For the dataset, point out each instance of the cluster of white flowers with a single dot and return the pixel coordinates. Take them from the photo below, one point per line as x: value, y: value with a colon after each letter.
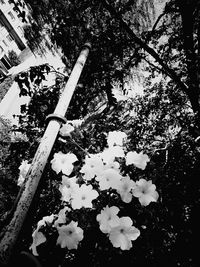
x: 119, y: 230
x: 103, y: 170
x: 68, y: 235
x: 77, y: 196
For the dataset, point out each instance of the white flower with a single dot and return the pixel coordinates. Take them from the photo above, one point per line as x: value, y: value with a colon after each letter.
x: 47, y: 219
x: 61, y: 216
x: 145, y: 191
x: 68, y: 187
x: 125, y: 188
x: 109, y: 178
x: 38, y: 238
x: 76, y: 123
x: 66, y: 193
x: 63, y: 162
x: 93, y: 166
x: 66, y: 180
x: 122, y: 235
x: 116, y: 138
x: 138, y: 159
x: 112, y: 165
x: 20, y: 180
x: 24, y: 167
x: 66, y: 129
x: 83, y: 197
x: 109, y: 154
x: 69, y: 235
x: 108, y: 218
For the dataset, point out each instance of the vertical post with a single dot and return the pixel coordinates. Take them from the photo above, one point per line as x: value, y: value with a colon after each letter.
x: 36, y: 169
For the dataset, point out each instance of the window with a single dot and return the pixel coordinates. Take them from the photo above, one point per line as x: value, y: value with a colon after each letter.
x: 9, y: 38
x: 20, y: 29
x: 11, y: 15
x: 5, y: 62
x: 5, y: 43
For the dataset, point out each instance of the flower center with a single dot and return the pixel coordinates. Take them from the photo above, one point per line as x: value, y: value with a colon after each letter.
x: 83, y: 197
x: 70, y: 232
x: 125, y: 187
x: 143, y: 191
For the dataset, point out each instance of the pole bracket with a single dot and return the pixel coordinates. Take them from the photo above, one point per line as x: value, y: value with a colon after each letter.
x: 57, y: 117
x: 86, y: 45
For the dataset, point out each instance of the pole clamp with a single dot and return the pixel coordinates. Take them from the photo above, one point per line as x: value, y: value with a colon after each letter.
x: 86, y: 45
x: 57, y: 117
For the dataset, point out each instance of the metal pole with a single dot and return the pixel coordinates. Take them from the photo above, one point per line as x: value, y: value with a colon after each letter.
x: 35, y: 172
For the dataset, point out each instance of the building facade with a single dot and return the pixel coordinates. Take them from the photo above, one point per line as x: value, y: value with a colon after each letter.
x: 11, y: 31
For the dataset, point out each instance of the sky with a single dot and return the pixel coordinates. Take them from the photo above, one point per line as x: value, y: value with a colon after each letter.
x: 134, y: 86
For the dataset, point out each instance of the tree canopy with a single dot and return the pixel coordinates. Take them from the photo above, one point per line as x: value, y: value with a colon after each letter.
x: 125, y: 33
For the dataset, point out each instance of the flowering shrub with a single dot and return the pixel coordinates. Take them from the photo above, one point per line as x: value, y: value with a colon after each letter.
x: 85, y: 187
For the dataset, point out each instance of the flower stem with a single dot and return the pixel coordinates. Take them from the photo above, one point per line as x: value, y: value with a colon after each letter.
x: 74, y: 142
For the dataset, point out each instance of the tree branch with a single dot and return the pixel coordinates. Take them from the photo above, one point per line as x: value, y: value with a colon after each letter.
x: 170, y: 72
x: 155, y: 25
x: 147, y: 39
x: 154, y: 66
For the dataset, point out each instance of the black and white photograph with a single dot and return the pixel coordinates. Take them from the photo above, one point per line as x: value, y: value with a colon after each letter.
x: 99, y: 133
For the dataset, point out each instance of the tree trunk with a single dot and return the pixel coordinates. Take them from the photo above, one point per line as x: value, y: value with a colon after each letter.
x: 186, y: 9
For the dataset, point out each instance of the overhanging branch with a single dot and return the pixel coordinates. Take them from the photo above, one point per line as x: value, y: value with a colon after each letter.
x: 170, y: 72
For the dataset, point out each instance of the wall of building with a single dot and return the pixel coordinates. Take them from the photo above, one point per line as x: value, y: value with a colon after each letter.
x: 11, y: 31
